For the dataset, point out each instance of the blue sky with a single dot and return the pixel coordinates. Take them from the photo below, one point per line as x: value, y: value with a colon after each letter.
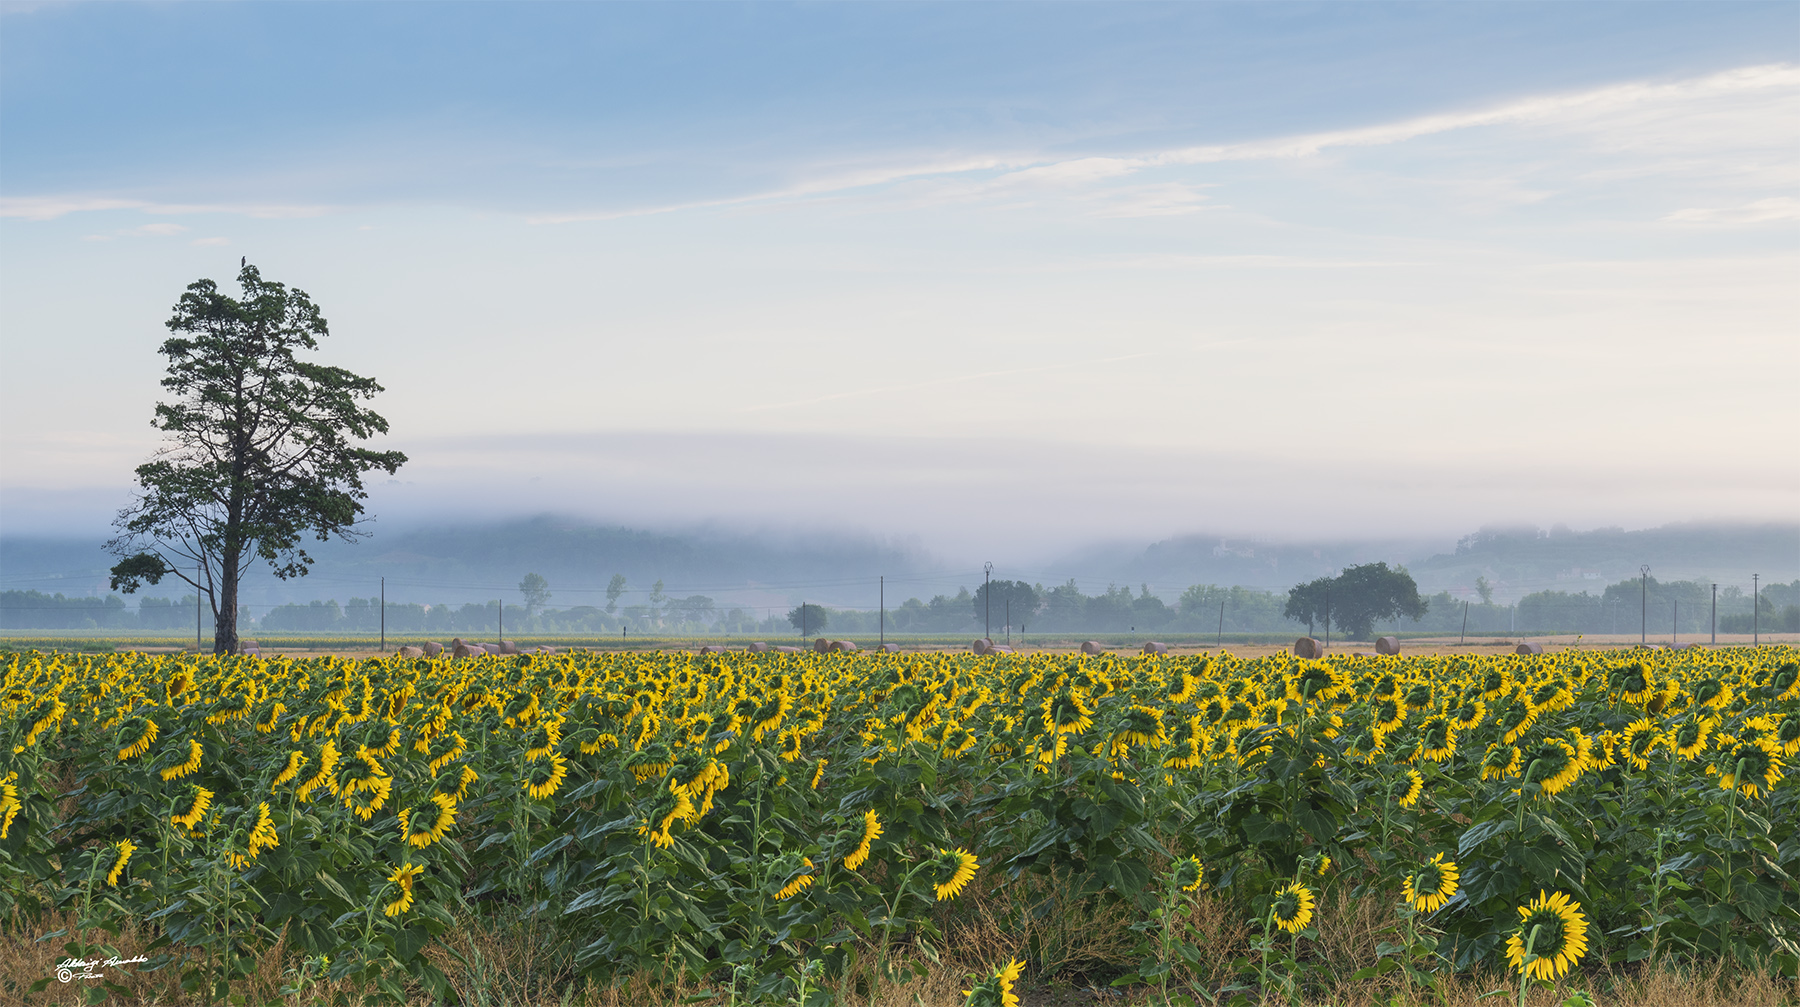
x: 1175, y: 267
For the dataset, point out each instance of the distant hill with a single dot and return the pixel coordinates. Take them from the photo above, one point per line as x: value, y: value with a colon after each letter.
x: 478, y: 562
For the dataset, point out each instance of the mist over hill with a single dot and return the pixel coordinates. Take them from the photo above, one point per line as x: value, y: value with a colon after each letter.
x: 766, y: 572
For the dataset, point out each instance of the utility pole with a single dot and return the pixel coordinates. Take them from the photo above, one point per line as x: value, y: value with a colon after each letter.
x: 1675, y: 624
x: 197, y: 568
x: 502, y: 610
x: 1756, y: 610
x: 1009, y: 622
x: 1644, y: 603
x: 884, y: 610
x: 1715, y: 616
x: 1464, y: 635
x: 803, y: 622
x: 384, y: 615
x: 1328, y: 616
x: 1219, y: 643
x: 987, y: 601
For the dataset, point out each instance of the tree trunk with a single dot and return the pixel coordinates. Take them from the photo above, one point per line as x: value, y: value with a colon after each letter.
x: 225, y: 615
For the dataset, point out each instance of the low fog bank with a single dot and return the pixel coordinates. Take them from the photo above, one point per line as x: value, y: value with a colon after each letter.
x: 1019, y: 503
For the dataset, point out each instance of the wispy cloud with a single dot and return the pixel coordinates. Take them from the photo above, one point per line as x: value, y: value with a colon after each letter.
x: 52, y: 207
x: 1761, y: 211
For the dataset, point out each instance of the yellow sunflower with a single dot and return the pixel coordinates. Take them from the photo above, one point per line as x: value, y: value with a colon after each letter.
x: 798, y: 876
x: 1188, y: 874
x: 1415, y: 787
x: 125, y: 846
x: 403, y: 877
x: 199, y: 800
x: 997, y: 989
x: 871, y: 832
x: 1560, y: 937
x: 429, y: 822
x: 192, y: 765
x: 1292, y: 908
x: 954, y: 869
x: 137, y: 734
x: 545, y: 776
x: 1432, y: 885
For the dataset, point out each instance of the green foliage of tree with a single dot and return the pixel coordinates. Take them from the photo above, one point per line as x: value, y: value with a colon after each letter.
x: 536, y: 591
x: 808, y: 618
x: 1356, y: 598
x: 262, y: 448
x: 995, y: 599
x: 614, y: 589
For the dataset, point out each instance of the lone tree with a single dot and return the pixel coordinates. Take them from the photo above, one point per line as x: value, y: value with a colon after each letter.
x: 536, y: 591
x: 261, y: 449
x: 1357, y: 597
x: 807, y: 618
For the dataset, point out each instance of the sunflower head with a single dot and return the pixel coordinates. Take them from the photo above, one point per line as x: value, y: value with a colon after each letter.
x: 951, y: 870
x: 1187, y: 874
x: 1431, y: 885
x: 1751, y: 768
x: 1292, y: 907
x: 1552, y: 936
x: 997, y: 989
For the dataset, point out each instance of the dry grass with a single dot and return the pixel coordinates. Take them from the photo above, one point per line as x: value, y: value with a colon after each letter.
x: 1079, y: 943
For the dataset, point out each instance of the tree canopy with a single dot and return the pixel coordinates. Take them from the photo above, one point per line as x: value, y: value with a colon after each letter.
x: 1356, y: 598
x: 808, y: 618
x: 1022, y: 597
x: 261, y: 448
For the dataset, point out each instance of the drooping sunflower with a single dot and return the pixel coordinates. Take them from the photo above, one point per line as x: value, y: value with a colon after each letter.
x: 199, y: 800
x: 135, y: 736
x: 819, y: 771
x: 1470, y: 714
x: 1188, y: 874
x: 997, y: 989
x: 1142, y: 726
x: 1785, y: 682
x: 190, y: 765
x: 10, y: 805
x: 369, y: 796
x: 672, y: 805
x: 445, y: 749
x: 1561, y: 937
x: 429, y: 822
x: 1712, y: 693
x: 296, y: 761
x: 1500, y: 762
x: 1553, y: 765
x: 1292, y: 908
x: 1389, y: 714
x: 1415, y: 787
x: 1636, y: 682
x: 1067, y: 712
x: 456, y: 784
x: 1515, y: 718
x: 1787, y: 734
x: 1437, y: 738
x: 1321, y: 681
x: 954, y: 868
x: 545, y: 776
x: 403, y: 877
x: 1691, y: 737
x: 1751, y: 768
x: 1637, y: 743
x: 124, y: 846
x: 325, y: 776
x: 1552, y: 696
x: 1432, y: 885
x: 265, y: 724
x: 871, y: 832
x: 261, y: 836
x: 796, y: 872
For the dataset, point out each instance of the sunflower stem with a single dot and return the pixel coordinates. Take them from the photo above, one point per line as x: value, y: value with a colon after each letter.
x: 1525, y: 965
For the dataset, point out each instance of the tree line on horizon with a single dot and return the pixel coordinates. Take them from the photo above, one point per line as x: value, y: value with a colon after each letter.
x: 1620, y: 608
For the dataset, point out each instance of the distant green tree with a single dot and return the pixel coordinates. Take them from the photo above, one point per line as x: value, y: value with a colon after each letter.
x: 536, y: 591
x: 262, y: 448
x: 808, y: 618
x: 1022, y: 597
x: 1485, y: 589
x: 614, y: 589
x: 1356, y: 598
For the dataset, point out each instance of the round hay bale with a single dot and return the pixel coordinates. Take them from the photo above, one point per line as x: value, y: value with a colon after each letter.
x: 759, y: 648
x: 843, y: 645
x: 1092, y: 647
x: 432, y: 648
x: 999, y: 649
x: 460, y: 650
x: 544, y: 650
x: 506, y: 647
x: 890, y: 648
x: 1309, y: 648
x: 412, y: 651
x: 1529, y: 648
x: 1387, y: 645
x: 789, y: 650
x: 1156, y: 648
x: 980, y: 646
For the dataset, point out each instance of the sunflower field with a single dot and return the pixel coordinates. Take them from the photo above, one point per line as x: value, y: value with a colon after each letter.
x: 769, y: 824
